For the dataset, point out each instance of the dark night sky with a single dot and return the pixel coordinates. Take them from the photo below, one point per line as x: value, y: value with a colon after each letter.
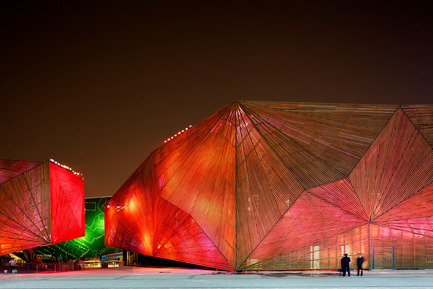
x: 98, y: 85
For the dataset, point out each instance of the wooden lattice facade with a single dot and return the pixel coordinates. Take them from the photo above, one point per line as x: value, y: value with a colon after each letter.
x: 274, y: 185
x: 40, y: 204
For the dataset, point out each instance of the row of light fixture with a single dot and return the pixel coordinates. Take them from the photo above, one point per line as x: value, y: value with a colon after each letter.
x: 177, y: 134
x: 67, y: 168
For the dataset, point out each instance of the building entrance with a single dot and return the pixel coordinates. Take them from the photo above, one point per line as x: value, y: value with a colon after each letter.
x: 382, y: 257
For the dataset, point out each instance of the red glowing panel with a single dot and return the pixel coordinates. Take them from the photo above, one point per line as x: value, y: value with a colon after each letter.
x: 138, y: 219
x: 213, y: 206
x: 125, y: 227
x: 40, y: 206
x: 25, y: 211
x: 67, y: 204
x: 188, y: 241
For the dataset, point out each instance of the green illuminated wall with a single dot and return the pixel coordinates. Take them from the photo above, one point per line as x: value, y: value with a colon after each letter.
x: 92, y: 244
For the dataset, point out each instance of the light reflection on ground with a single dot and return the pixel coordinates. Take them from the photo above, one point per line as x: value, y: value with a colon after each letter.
x: 168, y: 278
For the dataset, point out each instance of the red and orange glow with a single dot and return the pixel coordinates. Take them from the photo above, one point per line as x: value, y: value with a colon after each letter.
x: 41, y: 204
x: 271, y: 185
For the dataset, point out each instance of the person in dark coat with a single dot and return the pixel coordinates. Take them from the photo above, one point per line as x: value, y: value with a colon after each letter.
x: 359, y: 261
x: 345, y: 265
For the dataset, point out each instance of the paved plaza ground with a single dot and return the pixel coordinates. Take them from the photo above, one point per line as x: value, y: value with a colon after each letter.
x: 165, y: 278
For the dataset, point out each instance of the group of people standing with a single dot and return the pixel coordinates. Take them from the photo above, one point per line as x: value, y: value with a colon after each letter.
x: 345, y: 267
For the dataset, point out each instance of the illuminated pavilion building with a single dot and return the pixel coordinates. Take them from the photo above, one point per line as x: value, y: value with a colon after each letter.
x: 40, y: 204
x: 275, y: 185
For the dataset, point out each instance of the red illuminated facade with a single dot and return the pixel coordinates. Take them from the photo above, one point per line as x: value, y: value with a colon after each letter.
x: 273, y: 185
x: 40, y: 204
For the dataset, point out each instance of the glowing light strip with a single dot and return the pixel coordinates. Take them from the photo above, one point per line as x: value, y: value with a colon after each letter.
x: 66, y: 167
x: 177, y: 134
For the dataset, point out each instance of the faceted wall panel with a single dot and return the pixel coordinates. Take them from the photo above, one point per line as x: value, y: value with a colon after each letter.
x: 274, y: 185
x: 264, y: 187
x: 12, y: 168
x: 41, y: 205
x: 309, y: 220
x: 67, y: 204
x: 25, y: 220
x: 327, y: 139
x: 210, y: 202
x: 422, y: 118
x: 397, y: 165
x: 138, y: 219
x: 414, y: 215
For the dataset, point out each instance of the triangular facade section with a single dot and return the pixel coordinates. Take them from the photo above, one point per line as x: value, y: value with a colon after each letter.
x: 265, y: 186
x: 414, y: 215
x: 67, y: 204
x: 398, y: 164
x: 25, y: 210
x: 326, y: 140
x: 12, y: 168
x: 187, y: 239
x: 342, y: 195
x: 201, y: 177
x: 139, y: 220
x: 40, y: 204
x: 422, y: 117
